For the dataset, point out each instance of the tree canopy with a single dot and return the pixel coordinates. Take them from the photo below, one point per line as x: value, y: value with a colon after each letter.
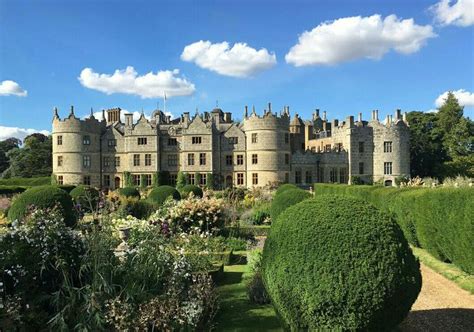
x: 442, y: 143
x: 34, y: 158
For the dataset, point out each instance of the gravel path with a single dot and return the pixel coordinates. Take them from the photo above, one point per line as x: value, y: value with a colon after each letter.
x: 441, y: 306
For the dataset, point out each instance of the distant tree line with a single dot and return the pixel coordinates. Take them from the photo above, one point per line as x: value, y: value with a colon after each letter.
x: 33, y: 158
x: 442, y: 142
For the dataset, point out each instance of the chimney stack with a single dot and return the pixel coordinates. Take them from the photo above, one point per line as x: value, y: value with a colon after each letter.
x: 350, y: 121
x: 398, y: 114
x: 270, y: 107
x: 405, y: 117
x: 324, y: 116
x: 129, y: 119
x: 246, y: 113
x: 359, y: 117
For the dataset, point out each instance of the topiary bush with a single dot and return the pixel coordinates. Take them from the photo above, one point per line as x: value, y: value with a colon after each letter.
x: 129, y: 192
x: 286, y: 199
x: 135, y: 207
x: 43, y: 197
x: 285, y: 187
x: 190, y: 188
x: 87, y: 197
x: 339, y: 263
x: 161, y: 193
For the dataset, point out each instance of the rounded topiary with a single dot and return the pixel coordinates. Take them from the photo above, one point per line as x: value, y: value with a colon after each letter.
x: 43, y: 197
x: 190, y: 188
x: 161, y: 193
x: 87, y: 197
x: 285, y: 187
x: 286, y: 199
x: 129, y: 192
x: 338, y: 263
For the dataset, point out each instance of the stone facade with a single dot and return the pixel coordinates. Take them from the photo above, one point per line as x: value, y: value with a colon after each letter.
x: 259, y: 151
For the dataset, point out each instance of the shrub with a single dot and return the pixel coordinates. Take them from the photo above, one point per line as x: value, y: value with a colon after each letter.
x: 87, y: 197
x: 43, y: 197
x: 33, y: 257
x: 256, y: 291
x: 261, y: 214
x: 210, y: 183
x: 161, y: 193
x: 135, y: 207
x: 286, y: 199
x: 285, y: 187
x: 190, y: 188
x: 67, y: 187
x: 129, y: 192
x: 11, y: 190
x: 338, y: 263
x: 27, y: 182
x: 436, y: 219
x: 181, y: 180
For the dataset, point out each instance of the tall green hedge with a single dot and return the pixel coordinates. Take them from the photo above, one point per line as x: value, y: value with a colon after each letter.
x: 285, y: 187
x: 337, y: 263
x: 28, y: 182
x: 11, y: 190
x: 286, y: 199
x: 190, y: 188
x: 129, y: 192
x: 43, y: 197
x: 440, y: 220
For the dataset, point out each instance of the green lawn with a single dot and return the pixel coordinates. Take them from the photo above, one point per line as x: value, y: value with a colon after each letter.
x: 236, y: 313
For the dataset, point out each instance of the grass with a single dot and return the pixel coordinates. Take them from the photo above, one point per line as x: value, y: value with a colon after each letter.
x: 236, y: 312
x: 449, y: 271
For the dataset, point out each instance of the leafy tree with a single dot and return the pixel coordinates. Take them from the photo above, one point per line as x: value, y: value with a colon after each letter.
x: 33, y: 159
x: 5, y: 146
x: 449, y: 114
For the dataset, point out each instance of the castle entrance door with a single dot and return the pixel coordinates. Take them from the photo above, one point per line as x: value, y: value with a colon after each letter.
x: 228, y: 181
x: 117, y: 182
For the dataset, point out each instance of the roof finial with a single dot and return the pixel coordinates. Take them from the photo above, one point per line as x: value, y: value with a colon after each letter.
x: 103, y: 115
x: 56, y: 112
x: 217, y: 103
x: 246, y: 113
x: 72, y: 110
x: 92, y: 113
x: 253, y: 110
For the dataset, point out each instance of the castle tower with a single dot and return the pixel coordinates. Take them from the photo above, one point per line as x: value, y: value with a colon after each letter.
x: 268, y: 148
x: 76, y: 150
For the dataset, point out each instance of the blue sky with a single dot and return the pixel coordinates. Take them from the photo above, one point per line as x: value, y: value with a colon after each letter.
x: 45, y: 45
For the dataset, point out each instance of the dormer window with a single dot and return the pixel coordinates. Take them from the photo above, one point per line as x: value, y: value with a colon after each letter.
x: 233, y: 140
x: 196, y: 139
x: 172, y: 141
x: 86, y: 140
x: 142, y: 141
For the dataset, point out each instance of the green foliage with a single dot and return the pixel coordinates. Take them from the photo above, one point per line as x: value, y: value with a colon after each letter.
x: 138, y: 208
x: 356, y: 180
x: 10, y: 190
x: 127, y: 179
x: 338, y: 263
x: 34, y: 158
x: 285, y: 199
x: 190, y: 188
x: 442, y: 143
x: 87, y: 197
x: 43, y: 197
x: 159, y: 194
x: 261, y: 213
x: 26, y: 182
x: 436, y: 219
x: 5, y: 146
x: 67, y: 187
x: 285, y: 187
x: 211, y: 182
x: 181, y: 180
x: 161, y: 178
x: 33, y: 258
x: 198, y: 179
x: 142, y: 181
x: 129, y: 192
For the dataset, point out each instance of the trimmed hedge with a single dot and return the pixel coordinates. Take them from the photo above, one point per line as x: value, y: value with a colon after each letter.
x: 339, y: 263
x: 43, y: 197
x: 87, y: 197
x: 67, y: 187
x: 129, y: 192
x: 286, y: 199
x: 138, y: 208
x: 190, y: 188
x: 11, y: 190
x: 440, y: 220
x: 27, y: 182
x: 161, y: 193
x: 285, y: 187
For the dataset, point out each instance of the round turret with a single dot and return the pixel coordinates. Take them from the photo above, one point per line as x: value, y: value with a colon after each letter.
x: 268, y: 149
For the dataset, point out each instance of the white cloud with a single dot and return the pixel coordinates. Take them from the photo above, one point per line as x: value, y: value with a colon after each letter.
x: 11, y: 88
x: 460, y: 13
x: 128, y: 81
x: 20, y: 133
x: 351, y: 38
x: 465, y: 98
x: 239, y: 61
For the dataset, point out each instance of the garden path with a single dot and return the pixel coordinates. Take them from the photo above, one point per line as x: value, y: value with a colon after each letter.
x: 441, y: 306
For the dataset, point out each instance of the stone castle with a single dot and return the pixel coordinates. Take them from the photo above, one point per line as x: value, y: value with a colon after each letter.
x: 260, y: 150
